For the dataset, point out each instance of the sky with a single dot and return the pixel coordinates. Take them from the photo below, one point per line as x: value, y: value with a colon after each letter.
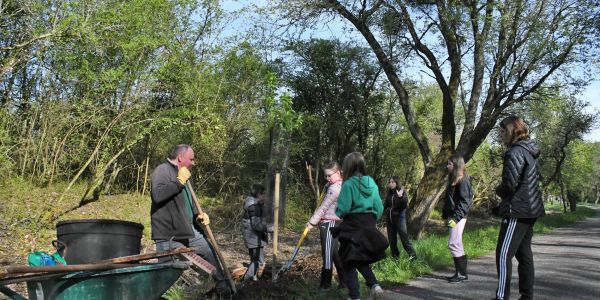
x: 591, y: 94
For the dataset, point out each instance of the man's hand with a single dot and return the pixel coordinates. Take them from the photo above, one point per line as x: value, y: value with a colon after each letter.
x: 451, y: 223
x: 269, y: 228
x: 203, y: 218
x: 399, y: 193
x: 309, y: 226
x: 183, y: 175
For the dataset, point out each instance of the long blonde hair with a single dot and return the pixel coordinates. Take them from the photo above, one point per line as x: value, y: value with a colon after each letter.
x: 459, y: 171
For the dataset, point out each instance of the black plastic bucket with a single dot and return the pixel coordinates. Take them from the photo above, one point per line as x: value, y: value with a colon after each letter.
x: 92, y: 240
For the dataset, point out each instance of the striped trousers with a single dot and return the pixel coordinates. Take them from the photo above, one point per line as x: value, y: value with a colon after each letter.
x: 514, y: 240
x: 329, y: 246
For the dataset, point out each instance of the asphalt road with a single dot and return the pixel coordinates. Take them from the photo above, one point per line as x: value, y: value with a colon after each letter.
x: 567, y: 266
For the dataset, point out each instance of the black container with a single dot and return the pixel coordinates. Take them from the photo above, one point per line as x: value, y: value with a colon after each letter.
x: 89, y: 241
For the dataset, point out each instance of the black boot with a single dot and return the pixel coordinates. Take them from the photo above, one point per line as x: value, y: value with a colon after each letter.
x: 325, y: 279
x: 461, y: 264
x: 463, y: 268
x: 456, y: 267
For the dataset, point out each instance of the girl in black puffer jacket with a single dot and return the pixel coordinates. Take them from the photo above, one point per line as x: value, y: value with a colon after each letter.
x: 520, y: 207
x: 459, y: 197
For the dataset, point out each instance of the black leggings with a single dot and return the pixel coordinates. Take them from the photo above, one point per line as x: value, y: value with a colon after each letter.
x: 255, y: 260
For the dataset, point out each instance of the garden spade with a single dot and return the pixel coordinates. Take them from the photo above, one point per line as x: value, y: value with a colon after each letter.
x: 290, y: 261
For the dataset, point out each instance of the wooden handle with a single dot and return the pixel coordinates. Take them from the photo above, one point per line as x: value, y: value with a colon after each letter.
x: 146, y: 256
x: 70, y: 268
x: 212, y: 240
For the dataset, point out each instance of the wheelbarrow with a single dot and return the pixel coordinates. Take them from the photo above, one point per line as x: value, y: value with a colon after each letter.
x: 110, y: 279
x: 147, y: 281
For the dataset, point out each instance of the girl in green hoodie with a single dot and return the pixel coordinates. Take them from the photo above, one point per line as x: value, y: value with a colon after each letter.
x: 361, y: 243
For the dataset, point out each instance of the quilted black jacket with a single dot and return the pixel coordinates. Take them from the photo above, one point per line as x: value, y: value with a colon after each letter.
x: 519, y: 189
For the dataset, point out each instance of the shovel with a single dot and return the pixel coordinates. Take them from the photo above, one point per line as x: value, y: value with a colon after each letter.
x: 290, y: 261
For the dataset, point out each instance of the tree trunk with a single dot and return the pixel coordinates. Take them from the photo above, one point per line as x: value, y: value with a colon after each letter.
x: 563, y: 195
x: 430, y: 189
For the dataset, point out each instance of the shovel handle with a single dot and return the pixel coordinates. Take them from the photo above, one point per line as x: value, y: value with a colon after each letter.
x: 212, y: 240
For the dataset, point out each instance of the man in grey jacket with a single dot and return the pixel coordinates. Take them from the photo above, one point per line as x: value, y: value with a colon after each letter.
x: 173, y: 214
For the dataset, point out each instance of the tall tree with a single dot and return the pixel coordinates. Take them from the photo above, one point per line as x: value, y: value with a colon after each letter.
x: 486, y: 55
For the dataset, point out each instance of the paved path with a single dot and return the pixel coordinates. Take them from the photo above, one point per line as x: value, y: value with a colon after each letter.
x: 567, y: 265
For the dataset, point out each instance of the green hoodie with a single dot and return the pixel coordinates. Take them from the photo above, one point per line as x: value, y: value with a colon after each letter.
x: 359, y: 195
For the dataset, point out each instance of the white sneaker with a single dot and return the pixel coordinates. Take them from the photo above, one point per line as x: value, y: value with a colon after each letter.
x: 376, y: 292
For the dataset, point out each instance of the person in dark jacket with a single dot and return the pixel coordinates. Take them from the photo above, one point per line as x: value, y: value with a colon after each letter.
x: 520, y: 207
x: 174, y: 217
x: 459, y: 197
x: 361, y: 243
x: 395, y: 206
x: 255, y: 230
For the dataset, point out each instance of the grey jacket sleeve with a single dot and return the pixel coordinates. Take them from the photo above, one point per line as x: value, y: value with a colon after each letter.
x: 164, y: 186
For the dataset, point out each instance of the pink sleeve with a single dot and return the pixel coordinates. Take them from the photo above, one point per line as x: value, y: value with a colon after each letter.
x: 330, y: 199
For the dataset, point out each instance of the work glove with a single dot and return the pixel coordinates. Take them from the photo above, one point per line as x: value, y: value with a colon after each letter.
x: 183, y: 175
x: 269, y: 228
x: 204, y: 219
x: 451, y: 223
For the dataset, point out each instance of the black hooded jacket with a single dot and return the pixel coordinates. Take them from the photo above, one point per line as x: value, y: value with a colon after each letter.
x: 458, y: 200
x: 394, y: 205
x: 519, y: 189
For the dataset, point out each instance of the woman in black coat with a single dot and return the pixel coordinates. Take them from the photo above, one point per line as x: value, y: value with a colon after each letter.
x: 459, y: 197
x: 520, y: 207
x: 395, y: 206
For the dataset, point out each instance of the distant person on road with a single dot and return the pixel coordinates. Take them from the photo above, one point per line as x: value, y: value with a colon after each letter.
x: 459, y: 197
x: 395, y: 206
x: 520, y: 207
x: 325, y: 217
x: 361, y: 243
x: 255, y: 230
x: 174, y: 217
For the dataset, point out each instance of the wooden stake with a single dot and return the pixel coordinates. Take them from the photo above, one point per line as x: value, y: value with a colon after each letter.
x: 275, y: 223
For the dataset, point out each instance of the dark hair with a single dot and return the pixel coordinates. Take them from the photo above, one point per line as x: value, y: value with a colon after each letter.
x: 396, y: 179
x: 257, y: 189
x: 353, y: 165
x: 332, y: 165
x: 179, y: 149
x: 516, y: 128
